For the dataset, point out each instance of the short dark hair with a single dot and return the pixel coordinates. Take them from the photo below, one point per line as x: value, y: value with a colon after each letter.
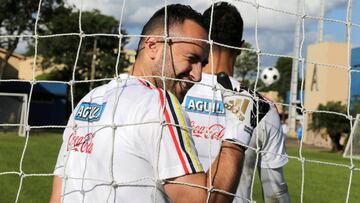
x: 176, y: 14
x: 227, y: 24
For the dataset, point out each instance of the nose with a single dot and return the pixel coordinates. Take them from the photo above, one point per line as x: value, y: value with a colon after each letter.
x: 195, y: 73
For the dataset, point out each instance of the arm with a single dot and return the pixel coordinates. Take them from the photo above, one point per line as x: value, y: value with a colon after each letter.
x: 225, y: 176
x: 274, y: 186
x: 56, y: 190
x: 227, y: 167
x: 59, y: 167
x: 57, y: 180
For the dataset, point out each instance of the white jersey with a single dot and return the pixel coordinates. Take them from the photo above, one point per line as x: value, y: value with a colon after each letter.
x: 121, y: 143
x: 206, y: 111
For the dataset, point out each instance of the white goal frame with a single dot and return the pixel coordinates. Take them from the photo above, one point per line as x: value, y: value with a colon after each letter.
x: 348, y: 150
x: 23, y: 115
x: 302, y: 16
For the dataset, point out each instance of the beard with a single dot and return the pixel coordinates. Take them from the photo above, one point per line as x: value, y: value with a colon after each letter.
x: 178, y: 88
x: 169, y: 72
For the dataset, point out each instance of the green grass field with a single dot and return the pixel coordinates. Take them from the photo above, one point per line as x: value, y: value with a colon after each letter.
x: 323, y: 183
x: 40, y: 157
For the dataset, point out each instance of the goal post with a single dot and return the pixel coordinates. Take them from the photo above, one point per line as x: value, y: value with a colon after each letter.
x: 354, y: 139
x: 13, y: 107
x: 316, y: 63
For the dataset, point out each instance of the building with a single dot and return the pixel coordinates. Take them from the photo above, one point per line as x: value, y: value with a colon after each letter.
x: 48, y: 105
x: 18, y: 67
x: 355, y: 77
x: 327, y: 79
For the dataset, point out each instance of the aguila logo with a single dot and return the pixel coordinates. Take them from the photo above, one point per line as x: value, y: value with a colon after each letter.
x: 82, y: 144
x: 214, y: 131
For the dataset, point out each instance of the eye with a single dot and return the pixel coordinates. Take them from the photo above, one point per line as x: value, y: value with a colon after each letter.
x: 204, y: 62
x: 197, y: 59
x: 193, y: 59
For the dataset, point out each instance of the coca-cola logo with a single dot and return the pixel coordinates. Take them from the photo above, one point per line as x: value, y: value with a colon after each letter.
x: 214, y: 131
x: 81, y: 143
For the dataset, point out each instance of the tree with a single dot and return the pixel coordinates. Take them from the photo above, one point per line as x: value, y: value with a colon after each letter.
x: 245, y: 63
x: 99, y: 52
x: 334, y: 124
x: 18, y: 17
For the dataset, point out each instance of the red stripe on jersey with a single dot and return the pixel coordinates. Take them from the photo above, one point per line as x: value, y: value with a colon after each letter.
x: 144, y: 83
x: 171, y: 129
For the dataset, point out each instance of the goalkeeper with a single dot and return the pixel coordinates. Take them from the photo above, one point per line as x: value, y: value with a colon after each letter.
x: 126, y: 141
x: 206, y: 111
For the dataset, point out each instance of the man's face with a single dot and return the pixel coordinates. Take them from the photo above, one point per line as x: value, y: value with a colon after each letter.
x: 184, y: 58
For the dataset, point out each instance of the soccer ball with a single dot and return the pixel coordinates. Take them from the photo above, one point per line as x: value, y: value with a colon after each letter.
x: 269, y: 76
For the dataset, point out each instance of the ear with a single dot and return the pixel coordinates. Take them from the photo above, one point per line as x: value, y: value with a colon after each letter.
x: 242, y: 45
x: 151, y: 47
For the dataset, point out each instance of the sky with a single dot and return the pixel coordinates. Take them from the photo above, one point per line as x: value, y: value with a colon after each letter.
x: 275, y: 30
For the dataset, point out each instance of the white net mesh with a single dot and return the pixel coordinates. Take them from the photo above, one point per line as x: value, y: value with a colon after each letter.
x: 355, y: 138
x: 302, y: 15
x: 14, y: 113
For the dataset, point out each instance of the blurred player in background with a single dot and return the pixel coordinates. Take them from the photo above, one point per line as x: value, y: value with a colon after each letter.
x: 117, y: 148
x: 206, y: 110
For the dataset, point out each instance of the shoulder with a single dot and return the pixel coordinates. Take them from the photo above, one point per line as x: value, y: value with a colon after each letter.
x: 260, y: 109
x: 272, y: 117
x: 201, y: 90
x: 168, y: 100
x: 148, y: 101
x: 206, y: 83
x: 142, y: 98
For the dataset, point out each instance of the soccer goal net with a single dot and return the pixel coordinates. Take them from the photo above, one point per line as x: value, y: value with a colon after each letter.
x: 77, y: 54
x: 352, y: 148
x: 13, y: 112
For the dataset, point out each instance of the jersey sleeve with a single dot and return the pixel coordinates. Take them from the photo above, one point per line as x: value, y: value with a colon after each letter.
x: 59, y: 167
x: 62, y: 156
x: 273, y: 147
x: 177, y: 153
x: 60, y: 163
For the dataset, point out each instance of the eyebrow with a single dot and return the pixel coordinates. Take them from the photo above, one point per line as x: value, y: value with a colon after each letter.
x: 203, y: 62
x: 171, y: 41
